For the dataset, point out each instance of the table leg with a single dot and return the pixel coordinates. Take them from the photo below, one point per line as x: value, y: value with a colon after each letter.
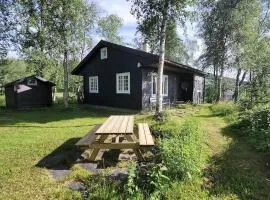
x: 94, y: 153
x: 130, y: 138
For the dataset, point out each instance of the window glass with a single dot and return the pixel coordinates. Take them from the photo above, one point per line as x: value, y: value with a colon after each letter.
x: 103, y: 53
x: 123, y: 83
x: 164, y: 85
x: 93, y: 84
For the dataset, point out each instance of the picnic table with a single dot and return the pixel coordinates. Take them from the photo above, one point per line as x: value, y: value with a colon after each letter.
x: 117, y: 132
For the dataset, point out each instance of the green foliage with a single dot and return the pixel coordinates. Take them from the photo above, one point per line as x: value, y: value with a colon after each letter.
x: 131, y: 189
x: 11, y: 70
x: 99, y: 188
x: 186, y: 190
x: 146, y: 182
x: 228, y: 110
x: 7, y: 26
x: 256, y: 124
x: 182, y: 152
x: 224, y: 108
x: 2, y: 100
x: 109, y: 27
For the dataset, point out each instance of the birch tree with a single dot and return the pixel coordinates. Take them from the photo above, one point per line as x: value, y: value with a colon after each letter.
x: 154, y: 16
x: 108, y: 28
x: 67, y: 29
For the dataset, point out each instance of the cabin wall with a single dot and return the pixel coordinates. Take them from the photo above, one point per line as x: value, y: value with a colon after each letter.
x: 173, y: 87
x: 117, y: 62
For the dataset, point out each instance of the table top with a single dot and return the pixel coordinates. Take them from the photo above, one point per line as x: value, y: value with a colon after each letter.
x: 118, y: 125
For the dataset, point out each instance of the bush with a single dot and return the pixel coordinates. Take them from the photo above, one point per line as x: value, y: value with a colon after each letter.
x: 182, y: 152
x: 146, y: 182
x: 224, y: 108
x: 257, y: 124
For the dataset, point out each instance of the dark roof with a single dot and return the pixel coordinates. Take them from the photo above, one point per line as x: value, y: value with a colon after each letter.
x: 25, y: 78
x: 137, y: 52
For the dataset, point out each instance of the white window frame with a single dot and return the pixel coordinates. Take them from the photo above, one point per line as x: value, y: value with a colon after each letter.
x: 122, y: 91
x: 154, y: 76
x: 32, y: 79
x: 92, y: 79
x: 102, y: 55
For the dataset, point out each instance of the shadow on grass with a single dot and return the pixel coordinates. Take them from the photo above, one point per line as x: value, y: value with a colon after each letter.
x: 239, y: 171
x: 63, y: 157
x: 56, y: 113
x: 66, y: 155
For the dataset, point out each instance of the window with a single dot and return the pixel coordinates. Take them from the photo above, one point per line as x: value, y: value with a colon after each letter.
x: 103, y: 53
x: 31, y: 81
x: 123, y: 83
x: 164, y: 85
x: 93, y: 84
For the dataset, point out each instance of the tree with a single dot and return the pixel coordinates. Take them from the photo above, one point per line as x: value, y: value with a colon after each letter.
x: 216, y: 31
x: 34, y: 39
x: 153, y: 17
x: 7, y: 26
x: 175, y: 49
x: 109, y: 27
x: 67, y: 27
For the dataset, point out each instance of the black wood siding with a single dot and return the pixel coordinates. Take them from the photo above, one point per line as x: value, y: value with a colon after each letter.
x: 26, y: 96
x: 10, y: 97
x: 117, y: 62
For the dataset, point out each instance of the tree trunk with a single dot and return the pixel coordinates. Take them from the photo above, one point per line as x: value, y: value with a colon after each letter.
x: 243, y: 78
x: 161, y: 61
x: 54, y: 93
x: 220, y: 79
x: 236, y: 90
x: 65, y: 66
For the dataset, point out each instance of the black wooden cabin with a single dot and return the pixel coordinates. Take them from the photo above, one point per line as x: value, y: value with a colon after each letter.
x: 119, y: 76
x: 28, y: 92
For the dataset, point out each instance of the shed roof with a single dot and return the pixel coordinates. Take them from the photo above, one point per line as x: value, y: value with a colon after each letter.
x: 32, y: 76
x: 135, y: 52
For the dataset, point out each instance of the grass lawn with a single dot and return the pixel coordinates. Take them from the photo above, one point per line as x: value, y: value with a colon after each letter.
x: 232, y: 170
x: 27, y: 137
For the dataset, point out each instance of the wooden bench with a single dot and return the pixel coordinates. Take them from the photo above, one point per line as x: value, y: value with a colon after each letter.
x: 145, y: 137
x: 88, y: 139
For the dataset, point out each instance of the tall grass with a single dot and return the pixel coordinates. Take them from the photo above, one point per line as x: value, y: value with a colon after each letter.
x: 227, y: 109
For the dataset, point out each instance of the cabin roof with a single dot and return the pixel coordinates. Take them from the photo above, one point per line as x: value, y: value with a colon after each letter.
x: 137, y: 52
x: 25, y: 78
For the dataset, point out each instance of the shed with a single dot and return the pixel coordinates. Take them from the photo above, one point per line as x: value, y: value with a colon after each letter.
x: 28, y: 92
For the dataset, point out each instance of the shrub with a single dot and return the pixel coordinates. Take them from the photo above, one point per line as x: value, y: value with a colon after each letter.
x: 224, y: 108
x: 189, y: 190
x: 182, y: 152
x: 257, y: 124
x: 146, y: 182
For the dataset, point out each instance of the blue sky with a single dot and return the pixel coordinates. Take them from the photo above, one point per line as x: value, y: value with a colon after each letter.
x: 122, y: 9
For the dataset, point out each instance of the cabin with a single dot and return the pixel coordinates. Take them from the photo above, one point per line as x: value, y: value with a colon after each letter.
x: 123, y: 77
x: 28, y: 92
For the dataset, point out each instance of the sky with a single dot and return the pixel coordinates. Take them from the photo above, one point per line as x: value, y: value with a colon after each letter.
x: 128, y: 30
x: 122, y: 9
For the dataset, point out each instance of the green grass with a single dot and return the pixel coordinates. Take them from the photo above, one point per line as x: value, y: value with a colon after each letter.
x: 2, y: 100
x: 232, y: 170
x: 28, y: 136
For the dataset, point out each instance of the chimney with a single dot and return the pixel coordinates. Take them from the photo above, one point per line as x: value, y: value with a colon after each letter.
x: 146, y: 47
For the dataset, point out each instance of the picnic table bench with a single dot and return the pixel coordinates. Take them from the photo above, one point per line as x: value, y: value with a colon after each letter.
x: 117, y: 132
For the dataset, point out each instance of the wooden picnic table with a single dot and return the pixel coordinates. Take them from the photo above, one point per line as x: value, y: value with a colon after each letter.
x: 116, y: 127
